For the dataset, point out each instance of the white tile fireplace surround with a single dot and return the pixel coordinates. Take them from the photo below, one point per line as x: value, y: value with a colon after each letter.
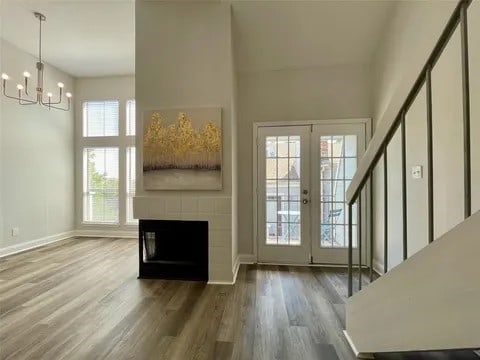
x: 216, y: 210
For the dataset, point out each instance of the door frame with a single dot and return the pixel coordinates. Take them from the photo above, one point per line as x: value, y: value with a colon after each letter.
x: 368, y: 135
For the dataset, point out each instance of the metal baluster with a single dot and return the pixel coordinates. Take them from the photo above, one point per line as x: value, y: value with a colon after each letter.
x: 359, y: 239
x: 404, y: 186
x: 385, y: 210
x: 466, y: 111
x: 350, y: 250
x: 428, y: 84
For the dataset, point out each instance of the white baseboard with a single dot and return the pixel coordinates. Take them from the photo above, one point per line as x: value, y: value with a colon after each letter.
x: 17, y: 248
x: 107, y: 233
x: 247, y: 259
x: 236, y: 267
x: 358, y: 354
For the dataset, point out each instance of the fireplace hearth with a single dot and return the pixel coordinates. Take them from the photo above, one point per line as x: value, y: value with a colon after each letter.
x: 173, y: 249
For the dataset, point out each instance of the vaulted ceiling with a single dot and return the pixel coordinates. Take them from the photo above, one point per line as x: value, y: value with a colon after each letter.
x: 83, y: 38
x: 97, y: 38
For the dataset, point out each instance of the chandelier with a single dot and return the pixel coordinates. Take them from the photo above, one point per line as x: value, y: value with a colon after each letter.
x: 23, y: 97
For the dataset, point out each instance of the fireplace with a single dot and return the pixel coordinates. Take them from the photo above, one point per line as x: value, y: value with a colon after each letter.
x: 173, y: 249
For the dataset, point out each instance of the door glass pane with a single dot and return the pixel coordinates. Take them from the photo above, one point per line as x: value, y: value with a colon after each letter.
x: 350, y: 167
x: 338, y: 159
x: 282, y: 146
x: 271, y: 168
x: 283, y: 210
x: 337, y: 146
x: 294, y: 190
x: 338, y: 236
x: 350, y: 146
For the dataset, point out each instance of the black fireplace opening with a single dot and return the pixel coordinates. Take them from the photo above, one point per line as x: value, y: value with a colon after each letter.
x: 173, y: 249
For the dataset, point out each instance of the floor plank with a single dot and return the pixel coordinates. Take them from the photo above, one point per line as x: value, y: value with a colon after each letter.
x: 81, y: 299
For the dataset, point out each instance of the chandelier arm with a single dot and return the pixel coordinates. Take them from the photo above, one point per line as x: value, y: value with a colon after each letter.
x: 27, y: 101
x: 53, y: 103
x: 59, y: 108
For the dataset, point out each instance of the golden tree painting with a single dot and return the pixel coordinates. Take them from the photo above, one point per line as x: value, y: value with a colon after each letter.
x: 182, y: 150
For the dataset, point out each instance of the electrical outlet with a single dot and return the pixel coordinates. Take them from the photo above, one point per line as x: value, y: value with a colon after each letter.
x: 15, y: 231
x: 417, y: 172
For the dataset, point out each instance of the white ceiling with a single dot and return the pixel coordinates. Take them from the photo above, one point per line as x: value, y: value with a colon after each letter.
x: 88, y: 38
x: 83, y: 38
x: 303, y: 34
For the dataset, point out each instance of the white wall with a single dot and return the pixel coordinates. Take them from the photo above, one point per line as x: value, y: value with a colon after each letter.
x: 184, y: 60
x: 331, y: 92
x: 37, y: 158
x: 121, y: 88
x: 407, y: 42
x: 429, y: 302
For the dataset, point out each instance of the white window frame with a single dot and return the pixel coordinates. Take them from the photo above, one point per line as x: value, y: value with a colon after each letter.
x: 122, y: 142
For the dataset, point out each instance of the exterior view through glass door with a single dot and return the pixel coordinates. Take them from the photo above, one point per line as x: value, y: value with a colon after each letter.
x: 303, y: 174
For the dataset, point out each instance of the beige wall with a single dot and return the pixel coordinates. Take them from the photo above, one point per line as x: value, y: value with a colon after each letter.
x: 408, y: 41
x: 292, y: 95
x: 36, y: 158
x: 184, y: 60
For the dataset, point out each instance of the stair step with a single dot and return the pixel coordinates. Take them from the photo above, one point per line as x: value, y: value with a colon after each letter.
x: 431, y: 355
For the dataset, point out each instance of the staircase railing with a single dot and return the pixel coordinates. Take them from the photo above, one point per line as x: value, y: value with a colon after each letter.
x: 382, y: 138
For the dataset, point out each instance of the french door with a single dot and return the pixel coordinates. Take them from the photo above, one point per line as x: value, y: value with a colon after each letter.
x: 302, y: 176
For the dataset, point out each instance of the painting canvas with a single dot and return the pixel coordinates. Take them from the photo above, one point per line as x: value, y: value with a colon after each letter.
x: 182, y: 149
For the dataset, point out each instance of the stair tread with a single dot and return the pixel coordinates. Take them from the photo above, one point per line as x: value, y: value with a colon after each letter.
x: 430, y: 355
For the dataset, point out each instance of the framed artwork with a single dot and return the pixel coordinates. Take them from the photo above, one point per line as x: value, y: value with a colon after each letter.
x: 182, y: 149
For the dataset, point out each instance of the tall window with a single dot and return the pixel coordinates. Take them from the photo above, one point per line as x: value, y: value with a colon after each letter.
x: 131, y: 117
x: 100, y: 118
x: 101, y: 185
x: 108, y: 155
x: 130, y: 184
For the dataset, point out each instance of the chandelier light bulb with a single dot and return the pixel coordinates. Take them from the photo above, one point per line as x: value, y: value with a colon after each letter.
x: 20, y: 87
x: 5, y: 76
x: 26, y: 74
x: 69, y: 95
x: 49, y: 95
x: 60, y: 85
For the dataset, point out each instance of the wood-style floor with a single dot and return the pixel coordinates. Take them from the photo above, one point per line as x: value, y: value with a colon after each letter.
x: 81, y: 299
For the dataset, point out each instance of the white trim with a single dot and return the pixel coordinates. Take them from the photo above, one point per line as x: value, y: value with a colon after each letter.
x: 367, y: 121
x: 107, y: 233
x: 247, y: 258
x: 236, y: 267
x: 358, y: 354
x: 255, y: 190
x: 322, y: 265
x: 214, y: 282
x: 29, y: 245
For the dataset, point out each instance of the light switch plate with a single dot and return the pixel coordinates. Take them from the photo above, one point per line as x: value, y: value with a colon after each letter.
x: 417, y: 172
x: 15, y: 231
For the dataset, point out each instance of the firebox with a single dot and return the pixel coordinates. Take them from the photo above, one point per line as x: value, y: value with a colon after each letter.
x: 173, y: 249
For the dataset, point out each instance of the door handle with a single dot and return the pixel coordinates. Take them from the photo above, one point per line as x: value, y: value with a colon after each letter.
x: 305, y: 201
